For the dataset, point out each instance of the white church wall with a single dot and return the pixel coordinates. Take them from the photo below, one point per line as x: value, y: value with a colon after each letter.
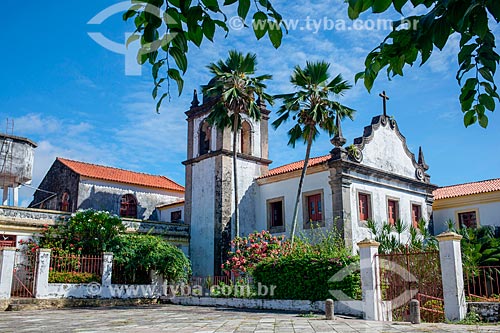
x: 380, y: 194
x: 386, y: 152
x: 288, y: 190
x: 164, y: 214
x: 247, y: 172
x: 486, y: 214
x: 202, y: 217
x: 103, y: 195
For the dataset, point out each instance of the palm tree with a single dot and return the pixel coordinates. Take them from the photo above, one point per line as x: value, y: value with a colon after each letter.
x: 313, y: 108
x: 236, y: 91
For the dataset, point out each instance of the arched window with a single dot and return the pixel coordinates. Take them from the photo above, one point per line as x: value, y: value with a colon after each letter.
x: 128, y: 206
x: 65, y: 202
x: 204, y: 138
x: 246, y: 138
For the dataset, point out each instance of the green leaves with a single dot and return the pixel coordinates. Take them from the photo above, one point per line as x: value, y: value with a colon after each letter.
x: 477, y: 56
x: 189, y: 22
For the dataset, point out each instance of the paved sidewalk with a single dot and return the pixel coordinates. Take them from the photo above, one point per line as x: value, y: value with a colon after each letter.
x: 184, y: 319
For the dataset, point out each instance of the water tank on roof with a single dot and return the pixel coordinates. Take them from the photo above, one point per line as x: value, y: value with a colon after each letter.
x: 16, y: 163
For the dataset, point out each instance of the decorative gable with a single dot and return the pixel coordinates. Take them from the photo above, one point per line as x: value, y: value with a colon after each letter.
x: 383, y: 147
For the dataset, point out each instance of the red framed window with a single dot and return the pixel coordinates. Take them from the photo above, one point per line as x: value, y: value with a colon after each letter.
x: 8, y: 241
x: 314, y: 208
x: 128, y: 206
x: 276, y: 212
x: 364, y: 206
x: 416, y: 214
x: 65, y: 202
x: 392, y: 211
x: 469, y: 219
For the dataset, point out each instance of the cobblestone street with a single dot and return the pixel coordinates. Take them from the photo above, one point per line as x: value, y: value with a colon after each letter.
x: 184, y: 319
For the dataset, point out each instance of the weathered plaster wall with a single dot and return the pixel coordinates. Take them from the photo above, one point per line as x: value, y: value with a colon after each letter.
x: 386, y: 152
x: 19, y: 160
x: 247, y: 172
x: 487, y: 214
x: 58, y: 179
x: 202, y: 217
x: 104, y: 195
x: 288, y: 190
x: 379, y: 196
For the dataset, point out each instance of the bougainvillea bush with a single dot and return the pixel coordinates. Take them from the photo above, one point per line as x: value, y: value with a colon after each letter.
x: 309, y: 270
x: 250, y: 250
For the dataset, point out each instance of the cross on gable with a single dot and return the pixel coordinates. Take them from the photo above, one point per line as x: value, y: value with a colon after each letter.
x: 385, y: 98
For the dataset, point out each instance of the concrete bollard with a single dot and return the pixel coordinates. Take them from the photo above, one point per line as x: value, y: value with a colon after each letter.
x: 415, y: 311
x: 329, y: 309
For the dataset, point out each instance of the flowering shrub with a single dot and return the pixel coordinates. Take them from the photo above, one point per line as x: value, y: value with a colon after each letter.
x: 73, y: 277
x: 252, y: 249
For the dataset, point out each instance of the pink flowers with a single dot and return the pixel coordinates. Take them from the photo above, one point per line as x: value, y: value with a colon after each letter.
x: 253, y: 249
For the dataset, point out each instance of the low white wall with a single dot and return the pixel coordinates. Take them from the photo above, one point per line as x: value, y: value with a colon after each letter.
x: 95, y: 290
x: 351, y: 308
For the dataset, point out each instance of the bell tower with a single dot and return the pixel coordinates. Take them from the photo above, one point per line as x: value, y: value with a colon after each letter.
x: 209, y: 205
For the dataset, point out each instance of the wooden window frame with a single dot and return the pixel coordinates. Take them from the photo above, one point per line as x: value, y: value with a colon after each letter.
x: 462, y: 211
x: 398, y: 209
x: 136, y: 203
x: 269, y: 203
x: 370, y: 205
x: 416, y: 204
x: 179, y: 211
x: 307, y: 224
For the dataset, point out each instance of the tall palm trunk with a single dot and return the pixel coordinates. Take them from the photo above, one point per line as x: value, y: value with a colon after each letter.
x: 299, y: 191
x: 235, y: 134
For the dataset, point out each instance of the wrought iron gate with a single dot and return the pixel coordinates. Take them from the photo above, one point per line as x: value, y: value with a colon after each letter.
x: 23, y: 279
x: 407, y: 276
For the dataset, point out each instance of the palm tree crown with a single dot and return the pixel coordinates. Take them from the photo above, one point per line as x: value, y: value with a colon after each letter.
x: 313, y: 108
x: 312, y: 105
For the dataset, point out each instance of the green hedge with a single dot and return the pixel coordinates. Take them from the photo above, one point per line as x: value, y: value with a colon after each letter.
x: 305, y: 277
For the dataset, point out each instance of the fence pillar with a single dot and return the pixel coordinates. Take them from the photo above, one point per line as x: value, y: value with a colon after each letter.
x: 450, y: 255
x: 7, y: 259
x: 370, y: 275
x: 42, y: 273
x: 107, y: 268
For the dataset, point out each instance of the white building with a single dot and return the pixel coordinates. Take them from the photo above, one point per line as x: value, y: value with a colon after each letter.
x: 471, y: 204
x: 376, y: 178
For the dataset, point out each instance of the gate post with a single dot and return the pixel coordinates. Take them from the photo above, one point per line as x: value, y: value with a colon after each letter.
x: 107, y: 268
x: 42, y: 273
x: 450, y: 255
x: 7, y: 258
x: 370, y: 275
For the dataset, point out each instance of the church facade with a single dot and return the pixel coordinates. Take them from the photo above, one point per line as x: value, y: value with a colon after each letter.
x: 375, y: 178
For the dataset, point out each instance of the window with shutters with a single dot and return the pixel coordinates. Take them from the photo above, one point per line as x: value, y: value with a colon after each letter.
x: 392, y: 211
x: 128, y: 206
x: 468, y: 219
x: 364, y: 204
x: 416, y: 214
x: 275, y: 215
x: 65, y: 203
x: 313, y: 209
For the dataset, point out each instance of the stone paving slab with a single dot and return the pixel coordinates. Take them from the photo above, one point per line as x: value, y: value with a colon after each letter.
x: 191, y: 319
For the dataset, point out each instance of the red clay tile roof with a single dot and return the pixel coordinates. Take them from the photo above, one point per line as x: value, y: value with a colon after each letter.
x: 295, y: 166
x: 467, y: 189
x: 171, y: 204
x: 120, y: 175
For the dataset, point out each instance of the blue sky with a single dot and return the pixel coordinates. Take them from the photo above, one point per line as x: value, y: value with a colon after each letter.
x: 72, y: 96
